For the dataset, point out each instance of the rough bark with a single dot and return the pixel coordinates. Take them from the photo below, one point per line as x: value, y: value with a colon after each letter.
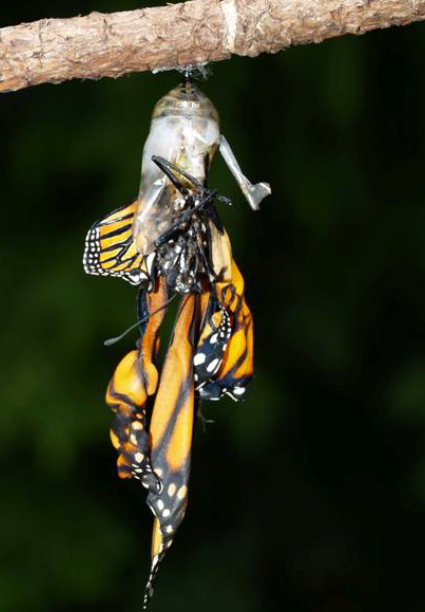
x: 199, y: 31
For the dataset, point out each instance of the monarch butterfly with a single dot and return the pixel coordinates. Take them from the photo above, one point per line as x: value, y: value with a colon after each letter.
x: 171, y: 239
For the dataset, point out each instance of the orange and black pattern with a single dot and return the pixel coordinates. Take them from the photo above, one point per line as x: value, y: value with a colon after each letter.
x: 210, y: 353
x: 134, y: 381
x: 235, y: 370
x: 171, y: 436
x: 110, y: 249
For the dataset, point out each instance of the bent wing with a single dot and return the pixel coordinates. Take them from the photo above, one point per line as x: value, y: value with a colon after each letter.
x: 171, y: 437
x: 236, y: 370
x: 236, y: 367
x: 221, y: 253
x: 215, y: 332
x: 134, y: 381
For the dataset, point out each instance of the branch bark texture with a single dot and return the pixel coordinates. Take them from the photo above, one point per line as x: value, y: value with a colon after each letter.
x: 166, y: 37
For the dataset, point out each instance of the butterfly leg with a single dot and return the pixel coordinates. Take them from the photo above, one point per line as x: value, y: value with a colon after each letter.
x: 184, y: 217
x: 181, y: 179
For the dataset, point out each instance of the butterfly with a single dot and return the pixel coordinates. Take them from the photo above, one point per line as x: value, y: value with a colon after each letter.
x: 171, y: 240
x: 210, y: 354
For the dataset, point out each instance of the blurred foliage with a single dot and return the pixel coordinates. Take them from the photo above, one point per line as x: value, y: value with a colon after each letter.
x: 308, y: 497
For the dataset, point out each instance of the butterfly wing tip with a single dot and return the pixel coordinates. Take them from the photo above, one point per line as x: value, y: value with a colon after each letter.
x: 152, y: 483
x: 149, y: 589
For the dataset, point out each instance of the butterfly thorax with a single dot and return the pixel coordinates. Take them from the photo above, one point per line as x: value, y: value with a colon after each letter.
x: 184, y: 259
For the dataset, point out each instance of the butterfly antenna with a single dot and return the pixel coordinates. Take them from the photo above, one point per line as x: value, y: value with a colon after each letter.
x: 112, y: 341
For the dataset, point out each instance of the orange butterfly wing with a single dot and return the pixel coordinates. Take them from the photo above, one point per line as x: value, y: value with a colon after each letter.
x: 110, y: 249
x: 236, y: 366
x: 171, y: 436
x: 134, y: 381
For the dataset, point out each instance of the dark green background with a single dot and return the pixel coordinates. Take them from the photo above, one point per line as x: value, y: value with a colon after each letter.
x: 308, y: 497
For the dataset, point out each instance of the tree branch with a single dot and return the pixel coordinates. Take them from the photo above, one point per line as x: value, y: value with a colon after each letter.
x: 55, y: 50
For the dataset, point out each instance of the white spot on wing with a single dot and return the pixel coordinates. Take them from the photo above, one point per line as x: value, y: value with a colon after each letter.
x: 211, y: 367
x: 171, y: 489
x: 181, y: 493
x: 199, y: 359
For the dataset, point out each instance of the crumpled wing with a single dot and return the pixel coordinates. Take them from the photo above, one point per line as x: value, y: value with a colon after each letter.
x: 134, y: 381
x: 171, y: 436
x: 215, y: 332
x: 221, y: 253
x: 236, y: 368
